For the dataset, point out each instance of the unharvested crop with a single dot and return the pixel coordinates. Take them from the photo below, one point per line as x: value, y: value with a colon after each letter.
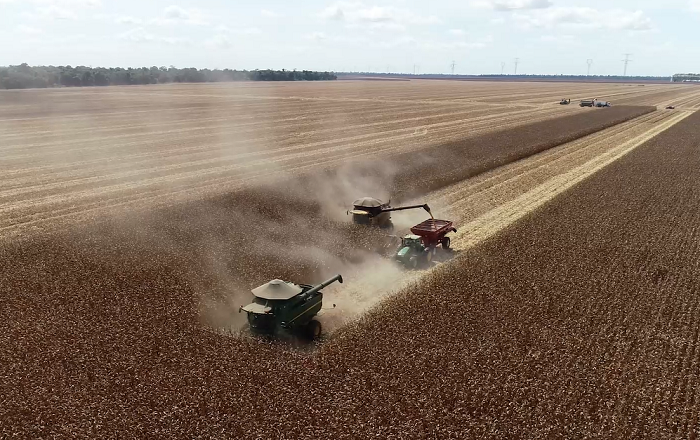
x: 577, y: 321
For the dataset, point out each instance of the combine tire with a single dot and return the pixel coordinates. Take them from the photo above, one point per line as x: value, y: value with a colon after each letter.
x: 313, y: 330
x: 446, y: 243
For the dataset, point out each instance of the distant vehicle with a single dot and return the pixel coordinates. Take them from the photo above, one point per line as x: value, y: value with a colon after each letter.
x: 587, y: 103
x: 670, y: 107
x: 565, y: 102
x: 603, y: 104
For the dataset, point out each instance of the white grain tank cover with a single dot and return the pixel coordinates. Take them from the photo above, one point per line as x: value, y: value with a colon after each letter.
x: 277, y: 290
x: 367, y: 202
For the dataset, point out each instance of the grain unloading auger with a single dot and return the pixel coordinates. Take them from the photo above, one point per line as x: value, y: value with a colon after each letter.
x: 283, y: 306
x: 374, y: 212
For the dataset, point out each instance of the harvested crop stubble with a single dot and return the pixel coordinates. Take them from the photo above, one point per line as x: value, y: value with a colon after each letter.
x: 430, y: 169
x: 580, y: 321
x: 104, y: 334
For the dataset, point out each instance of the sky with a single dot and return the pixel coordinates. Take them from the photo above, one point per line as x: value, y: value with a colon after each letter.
x: 478, y: 36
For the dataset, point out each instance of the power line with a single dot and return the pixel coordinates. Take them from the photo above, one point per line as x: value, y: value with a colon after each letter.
x: 626, y: 61
x: 517, y: 61
x: 453, y: 67
x: 590, y: 63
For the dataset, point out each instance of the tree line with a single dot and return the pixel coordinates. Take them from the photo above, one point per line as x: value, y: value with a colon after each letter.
x: 25, y: 76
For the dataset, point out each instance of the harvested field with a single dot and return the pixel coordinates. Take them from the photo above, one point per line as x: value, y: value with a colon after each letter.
x: 74, y: 154
x: 108, y: 324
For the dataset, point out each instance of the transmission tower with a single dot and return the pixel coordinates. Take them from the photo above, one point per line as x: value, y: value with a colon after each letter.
x: 503, y: 67
x: 626, y: 61
x: 517, y: 61
x: 590, y: 63
x: 453, y: 67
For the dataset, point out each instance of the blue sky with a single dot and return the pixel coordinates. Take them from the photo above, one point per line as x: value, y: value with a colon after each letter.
x: 548, y: 36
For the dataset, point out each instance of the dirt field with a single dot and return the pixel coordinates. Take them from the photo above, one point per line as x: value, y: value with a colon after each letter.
x: 136, y: 219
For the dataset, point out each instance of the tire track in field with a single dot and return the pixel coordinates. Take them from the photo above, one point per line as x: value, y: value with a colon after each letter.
x: 79, y: 204
x: 505, y: 195
x: 65, y: 180
x: 480, y: 229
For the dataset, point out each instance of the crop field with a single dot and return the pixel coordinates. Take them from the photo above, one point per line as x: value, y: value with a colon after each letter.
x: 135, y: 221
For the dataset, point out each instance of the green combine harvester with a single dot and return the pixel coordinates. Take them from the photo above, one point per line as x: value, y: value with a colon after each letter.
x: 280, y: 306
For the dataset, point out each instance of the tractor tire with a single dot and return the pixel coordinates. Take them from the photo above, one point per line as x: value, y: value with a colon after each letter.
x: 446, y: 243
x: 313, y: 330
x: 413, y: 263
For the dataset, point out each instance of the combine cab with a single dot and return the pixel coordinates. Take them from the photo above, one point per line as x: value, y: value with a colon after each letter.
x: 374, y: 212
x: 281, y: 306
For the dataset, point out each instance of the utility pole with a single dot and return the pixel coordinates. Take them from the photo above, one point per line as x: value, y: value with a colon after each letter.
x: 414, y: 69
x: 453, y: 67
x: 590, y: 63
x: 517, y: 61
x: 503, y: 67
x: 626, y: 61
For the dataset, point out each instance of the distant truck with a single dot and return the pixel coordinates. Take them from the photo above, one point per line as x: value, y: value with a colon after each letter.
x: 587, y: 103
x: 603, y: 104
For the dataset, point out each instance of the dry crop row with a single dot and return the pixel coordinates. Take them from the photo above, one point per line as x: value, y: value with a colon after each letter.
x: 588, y: 328
x: 47, y: 181
x: 106, y: 325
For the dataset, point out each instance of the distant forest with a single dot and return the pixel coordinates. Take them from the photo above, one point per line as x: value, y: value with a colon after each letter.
x: 25, y: 76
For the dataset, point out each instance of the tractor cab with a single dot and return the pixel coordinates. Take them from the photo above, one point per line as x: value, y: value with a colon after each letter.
x: 413, y: 242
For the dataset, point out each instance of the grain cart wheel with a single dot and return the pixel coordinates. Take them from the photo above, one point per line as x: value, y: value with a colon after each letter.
x: 429, y: 255
x: 446, y: 243
x: 313, y: 330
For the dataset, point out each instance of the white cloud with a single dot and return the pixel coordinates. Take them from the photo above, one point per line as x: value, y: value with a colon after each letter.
x: 402, y: 41
x: 268, y: 13
x: 128, y: 20
x: 585, y: 18
x: 176, y: 15
x: 316, y: 36
x: 223, y: 29
x: 694, y: 5
x: 333, y: 12
x: 498, y: 21
x: 28, y: 30
x: 220, y: 41
x: 141, y: 35
x: 360, y: 14
x: 557, y: 38
x: 509, y: 5
x: 53, y: 12
x: 456, y: 32
x: 458, y: 45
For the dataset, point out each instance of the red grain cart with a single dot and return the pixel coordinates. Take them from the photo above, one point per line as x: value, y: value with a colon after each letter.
x: 433, y: 232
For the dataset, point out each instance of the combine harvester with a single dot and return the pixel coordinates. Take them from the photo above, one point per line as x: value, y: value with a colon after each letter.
x: 374, y: 212
x: 280, y: 306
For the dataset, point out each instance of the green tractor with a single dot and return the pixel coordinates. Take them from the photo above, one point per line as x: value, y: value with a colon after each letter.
x: 419, y: 247
x: 413, y: 253
x: 280, y: 306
